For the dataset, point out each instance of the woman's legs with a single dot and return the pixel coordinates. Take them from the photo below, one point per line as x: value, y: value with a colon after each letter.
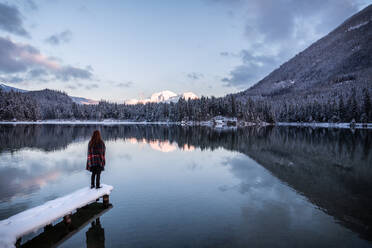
x: 96, y: 174
x: 92, y: 177
x: 98, y: 177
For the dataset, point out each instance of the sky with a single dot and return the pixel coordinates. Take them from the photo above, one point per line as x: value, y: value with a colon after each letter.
x: 119, y: 50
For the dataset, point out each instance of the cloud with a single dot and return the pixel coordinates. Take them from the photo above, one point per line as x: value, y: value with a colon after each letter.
x: 224, y: 54
x: 277, y: 30
x: 91, y: 86
x: 31, y: 4
x: 19, y: 61
x: 252, y: 69
x: 68, y: 73
x: 57, y: 39
x: 195, y: 75
x: 125, y: 85
x: 11, y: 21
x: 34, y: 73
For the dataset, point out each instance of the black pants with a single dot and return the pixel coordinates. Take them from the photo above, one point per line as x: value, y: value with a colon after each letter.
x: 96, y: 173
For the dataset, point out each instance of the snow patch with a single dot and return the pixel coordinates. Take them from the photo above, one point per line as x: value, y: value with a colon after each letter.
x: 357, y: 26
x: 35, y: 218
x: 283, y: 84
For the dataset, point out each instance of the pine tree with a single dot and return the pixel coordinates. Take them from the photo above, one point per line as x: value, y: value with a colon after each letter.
x: 366, y: 106
x: 352, y: 107
x: 341, y: 109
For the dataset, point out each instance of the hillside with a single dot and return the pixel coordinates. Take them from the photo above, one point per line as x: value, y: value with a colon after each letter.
x: 336, y: 63
x: 77, y: 100
x: 7, y: 88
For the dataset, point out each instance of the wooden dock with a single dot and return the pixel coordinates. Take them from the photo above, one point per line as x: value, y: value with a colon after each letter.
x: 54, y: 236
x: 31, y: 220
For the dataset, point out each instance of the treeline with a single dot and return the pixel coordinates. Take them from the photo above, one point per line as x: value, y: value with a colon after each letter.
x: 49, y: 104
x: 19, y: 106
x: 340, y: 108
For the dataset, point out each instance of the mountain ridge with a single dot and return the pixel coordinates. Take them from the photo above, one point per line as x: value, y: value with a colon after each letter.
x: 342, y: 57
x: 75, y: 99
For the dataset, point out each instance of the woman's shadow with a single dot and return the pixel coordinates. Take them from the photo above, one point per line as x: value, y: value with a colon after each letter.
x: 95, y: 235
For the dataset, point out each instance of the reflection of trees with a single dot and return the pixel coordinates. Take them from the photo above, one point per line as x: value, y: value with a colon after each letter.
x: 45, y: 137
x: 331, y: 167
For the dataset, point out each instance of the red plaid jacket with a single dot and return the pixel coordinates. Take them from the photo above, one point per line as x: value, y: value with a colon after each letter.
x: 96, y: 156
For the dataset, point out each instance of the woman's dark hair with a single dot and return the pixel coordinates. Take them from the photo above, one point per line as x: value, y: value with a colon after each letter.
x: 96, y: 139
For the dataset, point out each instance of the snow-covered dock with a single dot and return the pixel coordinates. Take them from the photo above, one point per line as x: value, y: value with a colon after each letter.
x: 35, y: 218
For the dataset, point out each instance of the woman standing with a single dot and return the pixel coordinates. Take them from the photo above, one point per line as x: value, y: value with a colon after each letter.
x: 96, y: 158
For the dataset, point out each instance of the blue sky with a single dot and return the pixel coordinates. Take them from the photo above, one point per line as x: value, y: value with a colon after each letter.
x: 118, y: 50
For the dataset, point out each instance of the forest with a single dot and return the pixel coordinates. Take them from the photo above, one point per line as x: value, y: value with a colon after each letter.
x: 55, y: 105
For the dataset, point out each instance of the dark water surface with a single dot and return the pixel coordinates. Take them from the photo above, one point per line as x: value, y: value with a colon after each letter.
x: 199, y: 187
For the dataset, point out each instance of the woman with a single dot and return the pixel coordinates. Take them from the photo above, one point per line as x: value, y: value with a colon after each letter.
x: 96, y: 158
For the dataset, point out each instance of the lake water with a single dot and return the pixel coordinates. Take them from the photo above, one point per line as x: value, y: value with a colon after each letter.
x: 198, y: 187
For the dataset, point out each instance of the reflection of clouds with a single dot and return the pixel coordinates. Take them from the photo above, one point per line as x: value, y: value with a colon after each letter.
x: 274, y: 215
x: 41, y: 180
x: 125, y: 156
x: 253, y: 178
x: 162, y: 146
x: 194, y: 166
x: 14, y: 209
x: 26, y: 171
x: 18, y: 181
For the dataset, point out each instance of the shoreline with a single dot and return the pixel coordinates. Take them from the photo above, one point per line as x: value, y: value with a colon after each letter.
x: 190, y: 123
x: 326, y: 125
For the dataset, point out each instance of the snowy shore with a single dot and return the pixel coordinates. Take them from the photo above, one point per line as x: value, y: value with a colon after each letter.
x: 189, y: 123
x: 84, y: 122
x: 325, y: 125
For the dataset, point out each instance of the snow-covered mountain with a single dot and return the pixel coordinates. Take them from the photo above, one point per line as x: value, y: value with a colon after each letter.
x: 78, y: 100
x: 7, y: 88
x: 162, y: 96
x: 82, y: 100
x: 166, y: 96
x: 338, y: 62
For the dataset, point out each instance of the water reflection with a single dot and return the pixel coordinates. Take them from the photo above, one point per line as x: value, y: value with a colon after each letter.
x: 330, y: 167
x: 162, y: 146
x: 26, y: 172
x: 95, y: 235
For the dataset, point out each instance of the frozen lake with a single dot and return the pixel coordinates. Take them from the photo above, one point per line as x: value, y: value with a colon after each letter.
x: 198, y: 187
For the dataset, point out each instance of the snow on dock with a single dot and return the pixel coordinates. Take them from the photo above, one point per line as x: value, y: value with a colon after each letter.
x: 35, y: 218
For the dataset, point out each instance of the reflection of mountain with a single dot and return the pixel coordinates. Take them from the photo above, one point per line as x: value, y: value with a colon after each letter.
x: 162, y: 146
x: 331, y: 167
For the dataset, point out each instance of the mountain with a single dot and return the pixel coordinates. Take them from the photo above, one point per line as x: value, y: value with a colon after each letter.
x: 7, y: 88
x: 340, y: 61
x: 78, y: 100
x: 162, y: 96
x: 82, y: 100
x: 165, y: 96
